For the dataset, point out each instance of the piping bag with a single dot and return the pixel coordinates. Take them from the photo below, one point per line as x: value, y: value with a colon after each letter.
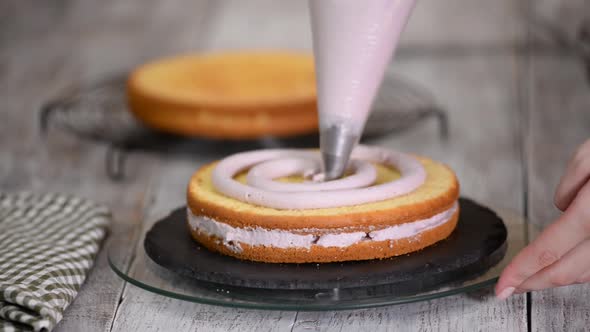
x: 353, y: 41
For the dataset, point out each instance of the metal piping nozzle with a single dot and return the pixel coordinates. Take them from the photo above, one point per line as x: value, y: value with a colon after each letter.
x: 336, y: 145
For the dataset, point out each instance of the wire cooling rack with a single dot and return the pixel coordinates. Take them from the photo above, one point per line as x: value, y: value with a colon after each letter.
x: 98, y: 112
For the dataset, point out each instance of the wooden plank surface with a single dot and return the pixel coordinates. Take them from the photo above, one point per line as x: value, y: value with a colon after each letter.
x: 559, y: 121
x: 557, y: 21
x: 465, y: 23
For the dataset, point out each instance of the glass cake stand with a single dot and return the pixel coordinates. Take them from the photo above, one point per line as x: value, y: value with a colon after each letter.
x: 144, y: 273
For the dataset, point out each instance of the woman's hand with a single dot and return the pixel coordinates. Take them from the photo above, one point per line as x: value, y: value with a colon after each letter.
x: 560, y: 256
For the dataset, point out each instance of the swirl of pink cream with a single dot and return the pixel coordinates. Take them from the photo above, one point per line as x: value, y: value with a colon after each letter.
x: 358, y: 188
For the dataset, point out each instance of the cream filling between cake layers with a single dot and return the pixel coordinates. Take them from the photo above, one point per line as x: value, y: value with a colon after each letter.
x: 258, y: 236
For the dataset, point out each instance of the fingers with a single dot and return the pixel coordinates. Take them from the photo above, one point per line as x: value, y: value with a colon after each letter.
x: 570, y: 269
x: 535, y: 266
x: 572, y: 228
x: 575, y: 176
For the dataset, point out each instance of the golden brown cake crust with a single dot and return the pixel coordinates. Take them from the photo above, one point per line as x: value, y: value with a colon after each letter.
x: 195, y: 96
x: 437, y: 194
x: 316, y: 254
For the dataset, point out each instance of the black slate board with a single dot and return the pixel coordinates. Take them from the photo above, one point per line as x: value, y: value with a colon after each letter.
x: 477, y: 244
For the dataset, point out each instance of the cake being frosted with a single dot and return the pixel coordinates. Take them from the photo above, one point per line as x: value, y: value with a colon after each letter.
x: 271, y: 206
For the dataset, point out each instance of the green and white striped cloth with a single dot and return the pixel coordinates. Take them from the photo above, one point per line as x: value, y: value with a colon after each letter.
x: 47, y: 245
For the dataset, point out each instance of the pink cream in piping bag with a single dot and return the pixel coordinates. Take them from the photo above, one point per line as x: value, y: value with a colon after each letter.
x: 353, y: 41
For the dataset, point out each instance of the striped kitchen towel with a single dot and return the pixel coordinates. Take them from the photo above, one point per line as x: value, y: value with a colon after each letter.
x: 47, y: 246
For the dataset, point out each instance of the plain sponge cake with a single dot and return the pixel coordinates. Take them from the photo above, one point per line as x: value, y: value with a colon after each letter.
x: 231, y: 95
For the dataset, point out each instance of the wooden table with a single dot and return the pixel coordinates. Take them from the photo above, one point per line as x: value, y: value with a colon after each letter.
x: 518, y: 107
